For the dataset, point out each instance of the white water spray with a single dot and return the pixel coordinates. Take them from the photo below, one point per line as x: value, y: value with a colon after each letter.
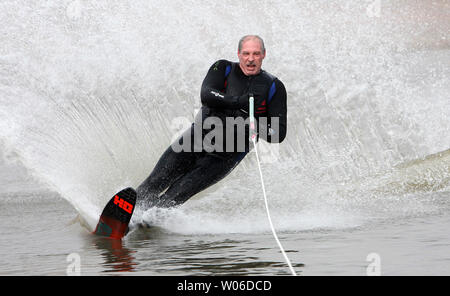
x: 89, y: 92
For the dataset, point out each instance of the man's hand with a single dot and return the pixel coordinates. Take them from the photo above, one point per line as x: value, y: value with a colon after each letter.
x: 242, y: 101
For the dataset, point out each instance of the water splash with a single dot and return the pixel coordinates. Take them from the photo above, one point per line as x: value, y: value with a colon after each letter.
x: 90, y: 91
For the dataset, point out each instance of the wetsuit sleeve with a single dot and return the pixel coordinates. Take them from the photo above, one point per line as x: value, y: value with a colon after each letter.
x: 211, y: 92
x: 275, y: 133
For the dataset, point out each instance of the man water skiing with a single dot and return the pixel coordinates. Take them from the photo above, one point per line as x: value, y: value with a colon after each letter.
x: 182, y: 173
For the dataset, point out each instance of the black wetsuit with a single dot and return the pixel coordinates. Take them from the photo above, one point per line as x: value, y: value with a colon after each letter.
x: 180, y: 175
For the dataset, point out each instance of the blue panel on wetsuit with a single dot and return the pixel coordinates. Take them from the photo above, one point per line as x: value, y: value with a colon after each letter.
x: 227, y: 70
x: 272, y: 91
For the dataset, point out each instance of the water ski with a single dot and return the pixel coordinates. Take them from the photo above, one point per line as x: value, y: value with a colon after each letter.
x: 116, y: 215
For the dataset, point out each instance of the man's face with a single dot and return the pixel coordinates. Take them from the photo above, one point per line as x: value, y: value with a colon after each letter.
x: 251, y: 57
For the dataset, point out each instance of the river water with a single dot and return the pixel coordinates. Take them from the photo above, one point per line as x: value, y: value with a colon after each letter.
x: 91, y: 94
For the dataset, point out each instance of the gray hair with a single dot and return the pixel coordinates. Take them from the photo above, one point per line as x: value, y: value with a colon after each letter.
x: 263, y: 48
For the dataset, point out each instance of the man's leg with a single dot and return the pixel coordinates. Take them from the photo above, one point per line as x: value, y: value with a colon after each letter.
x: 170, y: 167
x: 208, y: 170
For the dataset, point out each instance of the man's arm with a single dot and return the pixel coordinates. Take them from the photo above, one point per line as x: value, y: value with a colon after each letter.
x: 275, y: 133
x: 211, y: 94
